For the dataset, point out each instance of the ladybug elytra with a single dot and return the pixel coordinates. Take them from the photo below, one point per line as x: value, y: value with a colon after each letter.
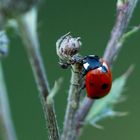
x: 98, y: 77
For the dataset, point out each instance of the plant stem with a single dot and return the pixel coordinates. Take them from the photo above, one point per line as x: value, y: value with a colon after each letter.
x: 27, y: 26
x: 85, y: 107
x: 124, y: 14
x: 5, y: 113
x: 80, y: 116
x: 73, y: 103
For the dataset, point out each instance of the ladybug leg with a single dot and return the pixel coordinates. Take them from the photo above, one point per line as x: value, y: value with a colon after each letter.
x: 82, y: 81
x: 80, y: 60
x: 83, y: 86
x: 77, y: 59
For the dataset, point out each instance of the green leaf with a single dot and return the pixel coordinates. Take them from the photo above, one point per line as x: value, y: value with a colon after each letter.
x: 129, y: 33
x: 104, y: 107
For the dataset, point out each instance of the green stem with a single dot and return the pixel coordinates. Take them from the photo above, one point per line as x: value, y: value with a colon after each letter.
x: 124, y: 14
x: 73, y: 104
x: 27, y: 26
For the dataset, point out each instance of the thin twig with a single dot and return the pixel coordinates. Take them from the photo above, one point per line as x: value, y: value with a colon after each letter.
x: 5, y: 113
x: 85, y: 107
x: 124, y: 14
x: 27, y: 25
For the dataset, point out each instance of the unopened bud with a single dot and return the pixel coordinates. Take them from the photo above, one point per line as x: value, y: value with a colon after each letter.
x: 67, y: 46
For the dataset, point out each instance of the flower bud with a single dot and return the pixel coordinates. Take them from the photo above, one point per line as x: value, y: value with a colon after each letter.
x: 67, y: 47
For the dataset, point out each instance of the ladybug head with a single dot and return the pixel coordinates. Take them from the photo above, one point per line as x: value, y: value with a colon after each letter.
x: 90, y: 62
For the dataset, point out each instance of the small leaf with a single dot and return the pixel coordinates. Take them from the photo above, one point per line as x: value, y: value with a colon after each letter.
x: 129, y: 33
x: 104, y: 107
x: 54, y: 90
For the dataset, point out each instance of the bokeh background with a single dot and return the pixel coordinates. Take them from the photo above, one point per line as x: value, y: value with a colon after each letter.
x: 92, y: 20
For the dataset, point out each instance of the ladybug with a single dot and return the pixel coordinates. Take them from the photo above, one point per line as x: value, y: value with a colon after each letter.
x: 98, y: 77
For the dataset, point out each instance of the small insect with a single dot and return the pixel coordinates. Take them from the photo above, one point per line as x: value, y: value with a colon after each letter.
x: 98, y: 77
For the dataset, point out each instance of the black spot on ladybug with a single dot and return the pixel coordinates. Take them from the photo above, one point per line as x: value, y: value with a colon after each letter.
x: 91, y: 84
x: 104, y: 86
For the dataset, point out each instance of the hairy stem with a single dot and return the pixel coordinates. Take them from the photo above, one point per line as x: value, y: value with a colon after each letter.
x: 6, y: 123
x: 73, y: 104
x: 124, y: 14
x: 27, y: 26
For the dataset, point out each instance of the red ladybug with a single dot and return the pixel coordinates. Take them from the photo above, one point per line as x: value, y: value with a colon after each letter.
x: 98, y: 78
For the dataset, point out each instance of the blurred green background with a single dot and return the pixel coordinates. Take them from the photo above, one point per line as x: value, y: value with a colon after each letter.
x: 92, y: 20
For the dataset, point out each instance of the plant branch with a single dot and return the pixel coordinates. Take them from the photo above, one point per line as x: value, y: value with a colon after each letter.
x: 80, y: 115
x: 5, y: 113
x: 27, y: 26
x: 124, y: 13
x: 73, y: 103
